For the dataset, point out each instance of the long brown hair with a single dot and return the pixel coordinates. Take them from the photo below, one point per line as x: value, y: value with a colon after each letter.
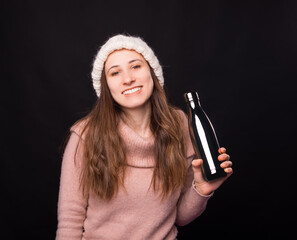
x: 103, y: 156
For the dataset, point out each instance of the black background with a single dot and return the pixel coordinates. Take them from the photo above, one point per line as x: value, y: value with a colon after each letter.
x: 239, y: 55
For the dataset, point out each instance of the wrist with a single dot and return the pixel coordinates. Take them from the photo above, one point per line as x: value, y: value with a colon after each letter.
x: 201, y: 191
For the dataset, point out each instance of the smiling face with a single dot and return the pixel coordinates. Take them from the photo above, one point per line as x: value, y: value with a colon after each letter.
x: 129, y: 79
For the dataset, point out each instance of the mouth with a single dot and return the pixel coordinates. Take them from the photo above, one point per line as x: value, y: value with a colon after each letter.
x: 132, y: 90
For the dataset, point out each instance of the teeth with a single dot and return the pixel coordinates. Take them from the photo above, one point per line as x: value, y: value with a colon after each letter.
x: 133, y: 90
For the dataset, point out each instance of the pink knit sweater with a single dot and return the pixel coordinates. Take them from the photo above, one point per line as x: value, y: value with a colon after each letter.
x: 136, y: 213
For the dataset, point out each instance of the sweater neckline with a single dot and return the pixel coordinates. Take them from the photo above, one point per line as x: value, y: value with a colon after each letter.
x: 139, y: 150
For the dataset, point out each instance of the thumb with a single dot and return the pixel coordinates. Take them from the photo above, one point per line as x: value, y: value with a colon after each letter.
x: 196, y: 165
x: 197, y: 169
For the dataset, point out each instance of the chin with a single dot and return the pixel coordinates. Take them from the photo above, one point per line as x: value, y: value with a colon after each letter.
x: 134, y: 104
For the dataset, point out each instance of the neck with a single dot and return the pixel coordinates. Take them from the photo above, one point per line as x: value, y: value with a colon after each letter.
x: 139, y: 119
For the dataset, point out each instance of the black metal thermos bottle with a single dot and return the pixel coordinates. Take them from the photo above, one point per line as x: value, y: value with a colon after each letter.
x: 204, y: 139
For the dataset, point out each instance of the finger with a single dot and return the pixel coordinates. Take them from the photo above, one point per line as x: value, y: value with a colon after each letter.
x: 223, y: 157
x: 226, y: 164
x: 222, y: 150
x: 228, y: 170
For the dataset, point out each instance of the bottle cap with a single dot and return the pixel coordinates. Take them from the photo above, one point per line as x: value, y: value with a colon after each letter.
x: 191, y: 96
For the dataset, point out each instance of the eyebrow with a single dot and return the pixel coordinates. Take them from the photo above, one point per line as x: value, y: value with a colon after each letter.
x: 131, y: 61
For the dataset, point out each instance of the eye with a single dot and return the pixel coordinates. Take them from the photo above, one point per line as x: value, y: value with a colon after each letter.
x: 136, y: 66
x: 114, y: 73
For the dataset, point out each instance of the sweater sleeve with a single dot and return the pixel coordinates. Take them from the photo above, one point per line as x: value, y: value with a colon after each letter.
x: 71, y: 204
x: 191, y: 203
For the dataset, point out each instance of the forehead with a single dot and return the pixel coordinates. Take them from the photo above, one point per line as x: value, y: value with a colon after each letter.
x: 123, y: 56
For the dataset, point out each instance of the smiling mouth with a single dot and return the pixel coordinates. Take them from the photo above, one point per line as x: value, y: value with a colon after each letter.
x: 132, y: 90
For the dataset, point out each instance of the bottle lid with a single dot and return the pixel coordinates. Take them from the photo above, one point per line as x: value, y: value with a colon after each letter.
x: 191, y: 96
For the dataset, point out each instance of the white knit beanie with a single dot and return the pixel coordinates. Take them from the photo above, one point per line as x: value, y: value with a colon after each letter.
x: 124, y: 42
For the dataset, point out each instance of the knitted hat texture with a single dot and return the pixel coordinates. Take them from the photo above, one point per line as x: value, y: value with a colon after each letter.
x: 118, y: 42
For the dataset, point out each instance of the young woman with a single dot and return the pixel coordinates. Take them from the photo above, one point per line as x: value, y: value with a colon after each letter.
x: 129, y: 169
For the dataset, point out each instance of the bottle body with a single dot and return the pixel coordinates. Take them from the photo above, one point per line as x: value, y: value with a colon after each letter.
x: 204, y: 139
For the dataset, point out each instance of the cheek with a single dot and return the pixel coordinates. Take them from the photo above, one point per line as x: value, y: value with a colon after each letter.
x: 112, y: 86
x: 150, y: 84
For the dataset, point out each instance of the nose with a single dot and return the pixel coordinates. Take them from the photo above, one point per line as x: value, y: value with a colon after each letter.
x: 128, y: 78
